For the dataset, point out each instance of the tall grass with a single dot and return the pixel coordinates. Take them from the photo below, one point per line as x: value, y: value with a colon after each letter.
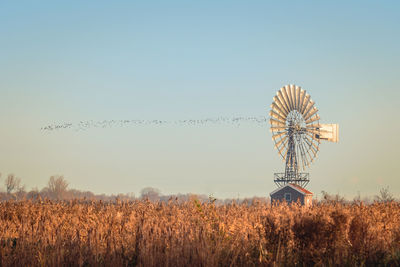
x: 197, y: 234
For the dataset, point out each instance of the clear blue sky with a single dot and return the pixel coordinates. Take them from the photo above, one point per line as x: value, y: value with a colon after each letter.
x: 97, y: 60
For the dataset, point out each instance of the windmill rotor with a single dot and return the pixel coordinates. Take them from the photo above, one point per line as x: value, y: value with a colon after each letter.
x: 297, y: 133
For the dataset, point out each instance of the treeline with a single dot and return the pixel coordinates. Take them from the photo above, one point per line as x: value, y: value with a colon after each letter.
x: 57, y: 188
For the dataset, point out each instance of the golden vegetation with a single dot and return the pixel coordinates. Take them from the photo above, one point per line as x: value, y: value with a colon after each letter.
x: 197, y: 234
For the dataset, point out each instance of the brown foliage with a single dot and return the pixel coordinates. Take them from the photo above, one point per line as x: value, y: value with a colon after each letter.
x: 197, y: 234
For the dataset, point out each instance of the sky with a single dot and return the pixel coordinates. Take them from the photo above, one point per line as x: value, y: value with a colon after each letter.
x: 72, y: 61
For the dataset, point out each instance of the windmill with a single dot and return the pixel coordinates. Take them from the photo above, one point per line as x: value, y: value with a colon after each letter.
x: 297, y: 134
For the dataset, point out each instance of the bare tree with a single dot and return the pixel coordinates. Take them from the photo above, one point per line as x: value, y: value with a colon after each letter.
x: 330, y: 198
x: 33, y: 194
x: 57, y: 187
x: 150, y: 193
x: 13, y: 183
x: 384, y: 195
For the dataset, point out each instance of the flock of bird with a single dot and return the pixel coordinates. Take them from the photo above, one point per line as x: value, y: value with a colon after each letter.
x: 84, y: 125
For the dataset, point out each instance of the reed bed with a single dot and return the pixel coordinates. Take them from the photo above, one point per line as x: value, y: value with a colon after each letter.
x: 143, y: 233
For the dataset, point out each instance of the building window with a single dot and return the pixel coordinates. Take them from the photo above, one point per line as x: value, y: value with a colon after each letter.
x: 288, y: 197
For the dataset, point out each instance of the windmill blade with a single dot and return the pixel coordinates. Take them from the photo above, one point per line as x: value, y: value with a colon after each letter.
x: 306, y: 148
x: 289, y: 92
x: 312, y: 149
x: 293, y: 91
x: 308, y: 141
x: 311, y: 157
x: 281, y: 149
x: 277, y: 128
x: 302, y: 145
x: 309, y: 107
x: 295, y: 97
x: 276, y: 115
x: 298, y: 89
x: 312, y: 143
x: 279, y: 104
x: 279, y: 134
x: 285, y: 94
x: 299, y: 154
x: 315, y: 118
x: 305, y: 158
x: 284, y: 156
x: 280, y: 142
x: 306, y: 101
x: 311, y: 113
x: 276, y: 122
x: 282, y: 97
x: 301, y: 99
x: 283, y: 100
x: 313, y: 137
x: 276, y: 108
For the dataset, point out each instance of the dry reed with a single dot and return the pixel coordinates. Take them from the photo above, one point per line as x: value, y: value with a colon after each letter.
x: 197, y: 234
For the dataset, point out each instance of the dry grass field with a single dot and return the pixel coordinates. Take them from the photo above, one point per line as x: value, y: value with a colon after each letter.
x: 143, y: 233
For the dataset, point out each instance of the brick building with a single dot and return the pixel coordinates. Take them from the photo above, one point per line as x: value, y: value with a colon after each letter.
x: 292, y: 193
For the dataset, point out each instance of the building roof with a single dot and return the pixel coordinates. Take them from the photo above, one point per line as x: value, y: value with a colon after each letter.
x: 302, y: 189
x: 295, y: 187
